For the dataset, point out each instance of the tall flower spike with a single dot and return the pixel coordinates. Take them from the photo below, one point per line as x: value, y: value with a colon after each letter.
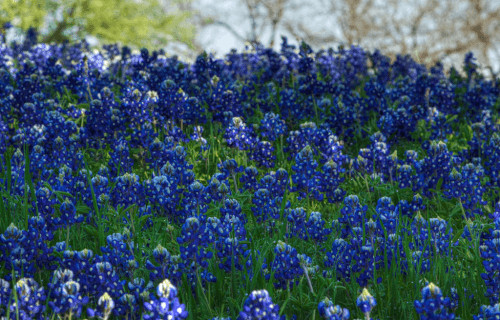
x: 167, y: 305
x: 165, y: 289
x: 259, y: 305
x: 366, y: 302
x: 329, y: 311
x: 433, y: 305
x: 107, y: 304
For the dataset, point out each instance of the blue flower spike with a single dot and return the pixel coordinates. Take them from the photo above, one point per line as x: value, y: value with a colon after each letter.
x: 366, y: 302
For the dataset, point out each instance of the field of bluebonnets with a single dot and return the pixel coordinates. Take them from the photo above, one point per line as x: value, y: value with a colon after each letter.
x: 286, y: 184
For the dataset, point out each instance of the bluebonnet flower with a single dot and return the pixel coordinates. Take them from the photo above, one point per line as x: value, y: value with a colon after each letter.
x: 120, y: 161
x: 364, y: 162
x: 230, y: 168
x: 65, y: 295
x: 366, y: 302
x: 281, y: 183
x: 183, y: 169
x: 481, y: 133
x: 305, y: 170
x: 262, y: 154
x: 26, y: 251
x: 82, y: 188
x: 387, y: 214
x: 286, y: 265
x: 98, y: 122
x: 188, y: 109
x: 405, y: 176
x: 127, y: 307
x: 77, y: 262
x: 492, y: 159
x: 30, y: 302
x: 316, y: 227
x: 163, y: 193
x: 383, y: 162
x: 488, y: 312
x: 466, y: 186
x: 68, y: 214
x: 168, y: 265
x: 64, y: 181
x: 352, y: 214
x: 196, y: 200
x: 363, y: 257
x: 102, y: 278
x: 329, y: 182
x: 489, y: 253
x: 430, y: 239
x: 496, y: 214
x: 158, y: 154
x: 31, y: 114
x: 298, y: 140
x: 276, y: 182
x: 119, y: 253
x: 297, y: 223
x: 224, y: 101
x: 417, y: 203
x: 436, y: 166
x: 433, y: 305
x: 440, y: 126
x: 128, y: 191
x: 442, y: 95
x: 421, y: 261
x: 470, y: 64
x: 403, y: 120
x: 330, y: 147
x: 139, y: 289
x: 272, y: 126
x: 249, y: 179
x: 231, y: 253
x: 46, y: 204
x: 238, y: 135
x: 259, y: 305
x: 231, y: 211
x: 5, y: 296
x: 3, y: 137
x: 393, y: 253
x: 290, y: 105
x: 105, y: 307
x: 265, y: 206
x: 329, y: 311
x: 219, y: 189
x: 194, y: 240
x: 197, y: 136
x: 37, y: 244
x: 455, y: 299
x: 167, y: 305
x: 136, y: 101
x: 343, y: 116
x: 355, y: 253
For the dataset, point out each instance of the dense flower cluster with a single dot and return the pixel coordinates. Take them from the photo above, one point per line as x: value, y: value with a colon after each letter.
x: 294, y: 171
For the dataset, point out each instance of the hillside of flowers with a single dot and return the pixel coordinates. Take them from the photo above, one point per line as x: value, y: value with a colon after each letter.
x: 290, y: 184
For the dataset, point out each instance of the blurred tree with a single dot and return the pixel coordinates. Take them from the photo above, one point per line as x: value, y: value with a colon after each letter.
x: 263, y: 17
x: 141, y: 23
x: 429, y: 30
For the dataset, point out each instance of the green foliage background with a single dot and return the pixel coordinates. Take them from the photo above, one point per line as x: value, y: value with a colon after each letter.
x: 139, y: 23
